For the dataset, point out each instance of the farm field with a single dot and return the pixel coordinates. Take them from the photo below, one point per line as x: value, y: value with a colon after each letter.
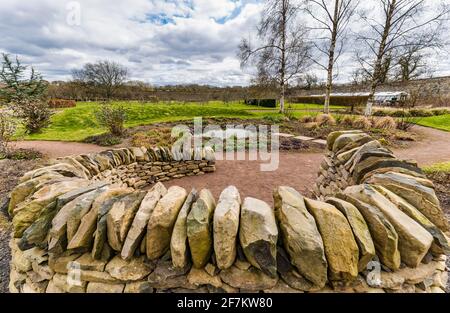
x: 75, y: 124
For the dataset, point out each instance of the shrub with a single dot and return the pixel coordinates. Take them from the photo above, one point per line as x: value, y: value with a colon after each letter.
x: 335, y: 100
x: 420, y: 113
x: 381, y: 113
x: 22, y: 154
x: 387, y: 123
x: 437, y: 112
x: 153, y: 138
x: 347, y: 121
x: 104, y: 140
x: 406, y: 123
x: 307, y: 119
x: 112, y: 117
x: 35, y: 115
x: 8, y: 128
x: 325, y: 120
x: 400, y: 113
x: 26, y: 97
x: 289, y: 114
x: 362, y: 123
x: 312, y: 126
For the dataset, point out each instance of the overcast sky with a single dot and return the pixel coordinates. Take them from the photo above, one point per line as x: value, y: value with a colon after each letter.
x: 161, y: 42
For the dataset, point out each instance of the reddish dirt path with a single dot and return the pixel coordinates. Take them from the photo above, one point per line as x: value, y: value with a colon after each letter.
x: 434, y: 148
x: 296, y: 169
x: 57, y: 149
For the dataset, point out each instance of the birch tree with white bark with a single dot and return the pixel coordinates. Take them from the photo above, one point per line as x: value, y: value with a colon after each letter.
x: 330, y: 24
x: 282, y: 53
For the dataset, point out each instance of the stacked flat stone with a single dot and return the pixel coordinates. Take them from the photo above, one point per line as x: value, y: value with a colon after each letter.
x: 381, y: 232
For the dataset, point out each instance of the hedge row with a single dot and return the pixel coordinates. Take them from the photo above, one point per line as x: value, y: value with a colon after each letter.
x: 335, y: 100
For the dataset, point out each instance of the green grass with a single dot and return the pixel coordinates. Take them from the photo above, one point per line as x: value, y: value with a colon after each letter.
x: 438, y: 168
x: 441, y: 122
x: 75, y: 124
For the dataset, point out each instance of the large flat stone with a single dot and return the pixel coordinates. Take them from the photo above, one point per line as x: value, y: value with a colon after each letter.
x: 199, y: 228
x: 140, y: 222
x: 258, y: 235
x: 360, y: 231
x: 301, y: 237
x: 179, y: 247
x: 421, y: 197
x: 162, y: 220
x: 341, y: 249
x: 439, y: 237
x: 413, y: 240
x: 382, y: 231
x: 226, y: 227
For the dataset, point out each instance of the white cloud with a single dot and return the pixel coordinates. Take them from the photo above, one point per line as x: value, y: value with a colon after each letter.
x: 163, y: 42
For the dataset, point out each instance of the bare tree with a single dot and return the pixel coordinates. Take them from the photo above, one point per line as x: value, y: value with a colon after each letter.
x: 411, y: 64
x: 331, y: 18
x: 106, y: 75
x: 284, y: 53
x: 401, y: 24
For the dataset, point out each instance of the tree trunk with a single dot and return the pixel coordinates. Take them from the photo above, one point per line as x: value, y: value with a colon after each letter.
x: 331, y: 53
x: 282, y: 95
x: 283, y: 58
x: 378, y: 68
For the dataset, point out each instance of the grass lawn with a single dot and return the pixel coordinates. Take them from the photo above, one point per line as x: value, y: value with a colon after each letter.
x: 75, y: 124
x: 439, y: 122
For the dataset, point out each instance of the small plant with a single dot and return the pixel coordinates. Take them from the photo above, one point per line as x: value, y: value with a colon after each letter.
x: 112, y: 117
x: 104, y: 140
x: 386, y: 123
x: 8, y: 128
x: 362, y: 123
x: 273, y: 119
x: 26, y: 97
x: 406, y: 123
x: 289, y: 114
x: 156, y: 137
x: 325, y: 120
x: 307, y: 119
x: 347, y: 121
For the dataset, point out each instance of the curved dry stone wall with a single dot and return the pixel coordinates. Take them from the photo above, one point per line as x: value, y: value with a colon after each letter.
x: 84, y: 225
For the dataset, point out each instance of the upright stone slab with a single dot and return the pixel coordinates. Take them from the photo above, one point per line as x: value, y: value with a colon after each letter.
x: 199, y: 228
x: 301, y: 238
x: 179, y: 248
x: 84, y: 236
x: 418, y: 195
x: 140, y: 222
x: 360, y: 231
x: 341, y: 249
x: 382, y: 231
x: 226, y: 227
x: 439, y: 237
x: 258, y: 235
x: 120, y: 217
x: 414, y: 241
x: 28, y: 212
x: 162, y: 220
x: 80, y: 209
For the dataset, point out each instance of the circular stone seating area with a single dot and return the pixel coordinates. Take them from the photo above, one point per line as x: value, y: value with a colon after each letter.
x: 84, y: 225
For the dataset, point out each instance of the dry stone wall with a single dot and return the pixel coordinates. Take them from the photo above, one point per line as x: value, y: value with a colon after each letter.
x: 84, y: 225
